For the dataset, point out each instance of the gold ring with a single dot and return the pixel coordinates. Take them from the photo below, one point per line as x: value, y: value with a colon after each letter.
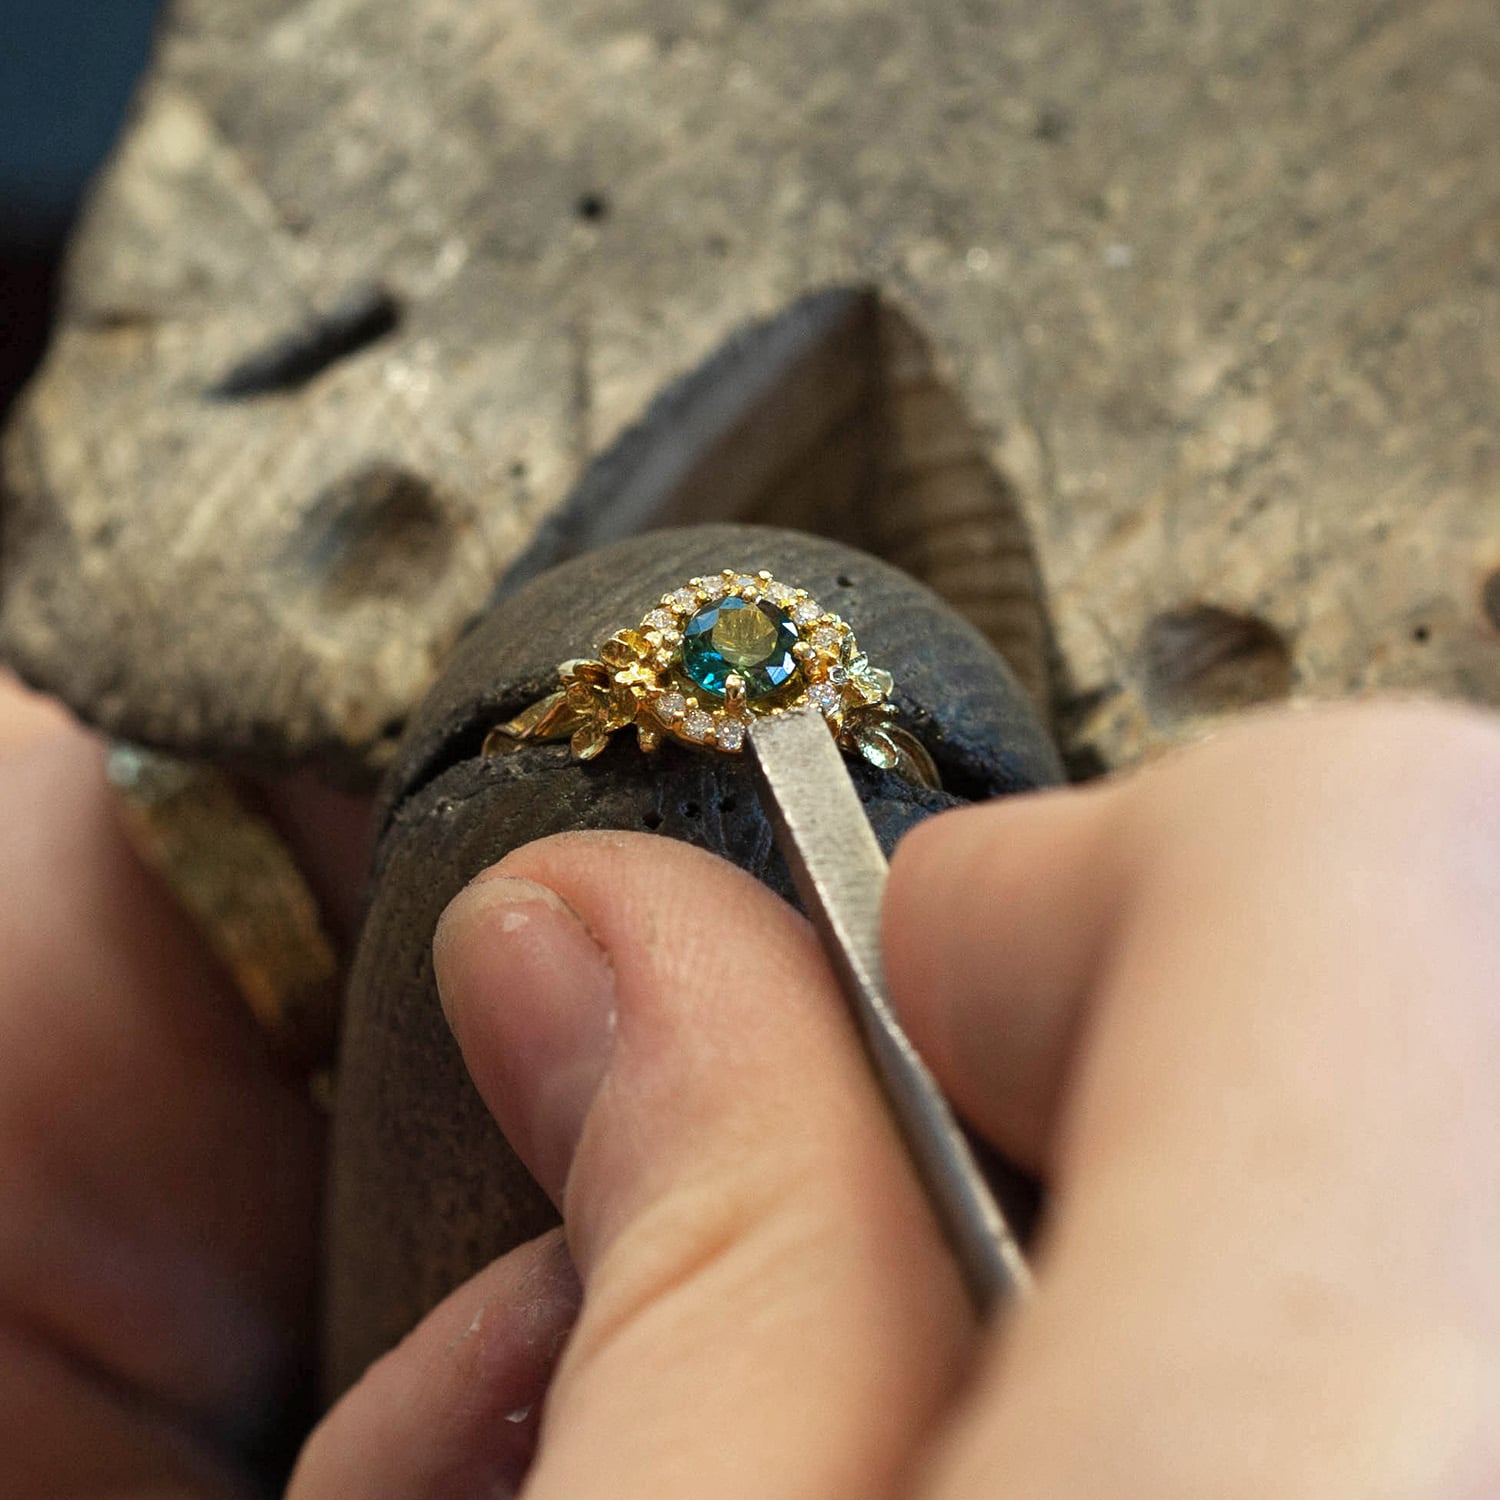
x: 237, y: 881
x: 710, y: 657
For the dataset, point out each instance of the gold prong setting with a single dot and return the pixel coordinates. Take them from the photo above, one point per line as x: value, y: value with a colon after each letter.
x: 641, y: 679
x: 647, y: 662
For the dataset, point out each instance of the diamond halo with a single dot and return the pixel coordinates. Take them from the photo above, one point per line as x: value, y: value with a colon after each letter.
x: 651, y: 662
x: 710, y: 657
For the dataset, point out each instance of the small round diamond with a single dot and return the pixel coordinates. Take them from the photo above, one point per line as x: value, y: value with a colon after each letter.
x: 714, y: 587
x: 779, y: 593
x: 661, y: 619
x: 731, y: 734
x: 806, y: 612
x: 744, y: 581
x: 825, y: 636
x: 698, y: 725
x: 824, y: 697
x: 670, y: 707
x: 684, y: 599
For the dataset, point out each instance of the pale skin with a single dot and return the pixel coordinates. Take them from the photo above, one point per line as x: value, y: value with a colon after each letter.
x: 1241, y: 1011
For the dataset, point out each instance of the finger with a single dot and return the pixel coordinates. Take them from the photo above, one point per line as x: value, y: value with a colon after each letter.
x: 329, y: 834
x: 996, y: 921
x: 1270, y: 1265
x: 158, y: 1181
x: 453, y: 1411
x: 26, y: 716
x: 65, y: 1433
x: 767, y: 1308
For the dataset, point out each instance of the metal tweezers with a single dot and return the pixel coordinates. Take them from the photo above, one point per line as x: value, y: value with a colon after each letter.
x: 840, y: 873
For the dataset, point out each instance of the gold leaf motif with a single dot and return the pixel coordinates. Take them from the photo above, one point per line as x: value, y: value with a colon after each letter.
x: 583, y: 698
x: 583, y: 669
x: 500, y: 741
x: 530, y: 720
x: 622, y: 708
x: 916, y: 764
x: 559, y: 724
x: 625, y: 647
x: 875, y: 745
x: 589, y: 741
x: 890, y: 747
x: 550, y: 718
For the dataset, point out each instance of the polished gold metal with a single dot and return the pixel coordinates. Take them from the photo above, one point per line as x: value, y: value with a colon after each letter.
x: 237, y: 881
x: 639, y: 680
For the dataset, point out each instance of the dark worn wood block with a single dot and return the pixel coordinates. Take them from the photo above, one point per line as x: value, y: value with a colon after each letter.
x: 369, y: 287
x: 424, y: 1189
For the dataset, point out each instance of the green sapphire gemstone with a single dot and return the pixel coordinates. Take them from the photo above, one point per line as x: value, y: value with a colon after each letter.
x: 754, y: 639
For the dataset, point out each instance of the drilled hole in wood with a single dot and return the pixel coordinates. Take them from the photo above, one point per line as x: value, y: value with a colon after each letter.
x: 1054, y: 124
x: 1206, y: 659
x: 1489, y: 598
x: 381, y: 532
x: 591, y: 207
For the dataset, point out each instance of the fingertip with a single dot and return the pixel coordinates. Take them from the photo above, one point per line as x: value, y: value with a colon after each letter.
x: 993, y: 920
x: 529, y: 996
x: 28, y: 717
x: 920, y: 931
x: 455, y: 1408
x: 952, y: 878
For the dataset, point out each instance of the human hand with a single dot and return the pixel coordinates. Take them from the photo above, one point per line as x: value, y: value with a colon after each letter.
x: 1242, y: 1011
x: 1239, y: 1010
x: 159, y: 1177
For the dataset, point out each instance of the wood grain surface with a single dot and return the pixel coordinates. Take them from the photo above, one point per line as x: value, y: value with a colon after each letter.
x: 368, y: 287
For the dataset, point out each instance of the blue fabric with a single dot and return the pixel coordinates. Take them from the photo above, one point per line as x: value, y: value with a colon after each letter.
x: 67, y: 68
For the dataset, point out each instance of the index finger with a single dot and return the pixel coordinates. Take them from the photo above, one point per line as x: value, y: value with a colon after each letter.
x: 1256, y: 989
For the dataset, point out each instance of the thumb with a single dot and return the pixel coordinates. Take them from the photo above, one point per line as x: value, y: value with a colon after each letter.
x: 767, y: 1306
